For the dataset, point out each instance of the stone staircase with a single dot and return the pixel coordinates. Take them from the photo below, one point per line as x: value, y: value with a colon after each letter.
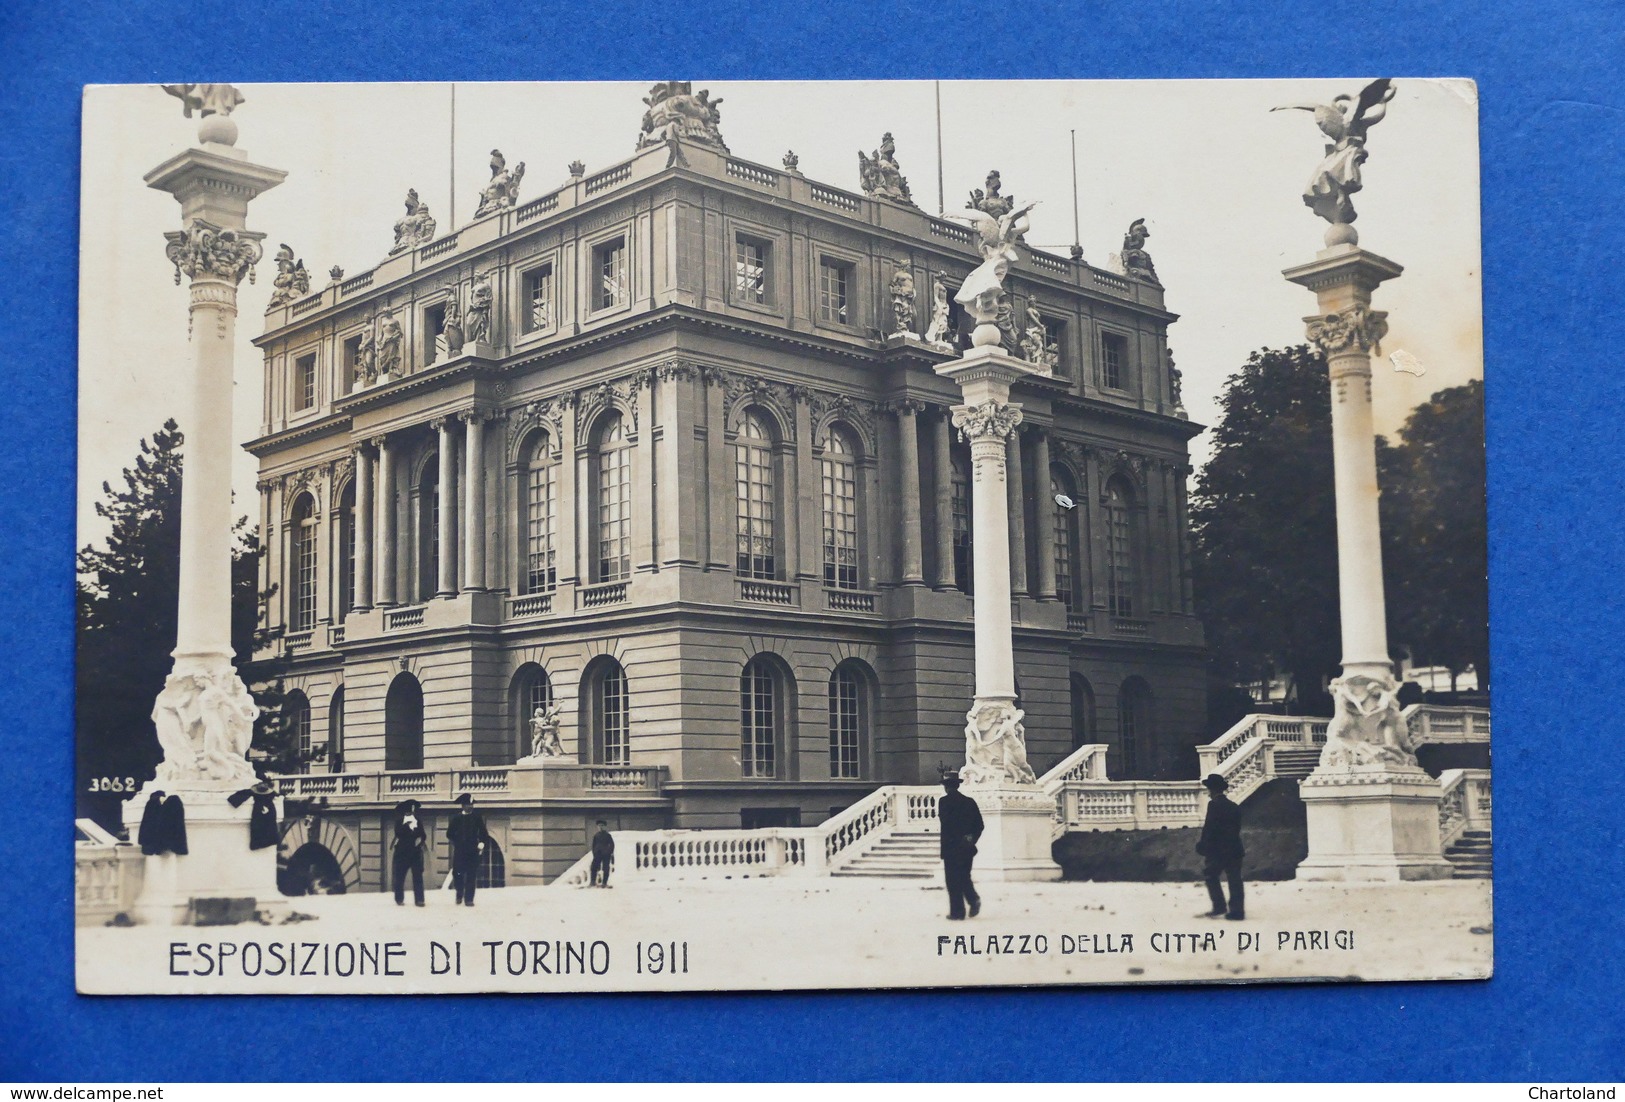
x: 1470, y: 854
x: 901, y: 855
x: 1296, y: 764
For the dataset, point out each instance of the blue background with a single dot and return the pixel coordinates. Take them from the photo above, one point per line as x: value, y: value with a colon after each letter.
x: 1550, y: 78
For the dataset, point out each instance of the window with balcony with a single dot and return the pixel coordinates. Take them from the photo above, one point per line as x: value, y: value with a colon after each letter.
x: 750, y: 269
x: 1067, y: 590
x: 755, y: 493
x: 610, y: 274
x: 538, y: 298
x: 541, y: 520
x: 302, y: 531
x: 296, y: 708
x: 839, y: 465
x: 835, y: 279
x: 612, y: 499
x: 1121, y: 579
x: 346, y: 580
x: 335, y: 731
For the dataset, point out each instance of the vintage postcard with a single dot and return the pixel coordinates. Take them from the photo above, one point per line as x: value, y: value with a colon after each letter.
x: 722, y: 535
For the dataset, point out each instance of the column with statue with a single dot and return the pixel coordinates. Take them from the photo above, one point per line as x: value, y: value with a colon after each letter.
x: 205, y: 716
x: 1373, y: 812
x: 1015, y: 844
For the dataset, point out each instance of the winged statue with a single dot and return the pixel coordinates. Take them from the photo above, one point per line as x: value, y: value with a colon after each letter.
x: 1344, y: 121
x: 996, y: 240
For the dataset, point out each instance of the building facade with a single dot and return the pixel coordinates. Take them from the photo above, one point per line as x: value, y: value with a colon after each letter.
x: 664, y: 449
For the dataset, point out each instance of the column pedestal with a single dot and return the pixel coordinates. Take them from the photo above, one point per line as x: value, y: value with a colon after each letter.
x: 1018, y: 833
x: 1372, y: 822
x: 218, y: 865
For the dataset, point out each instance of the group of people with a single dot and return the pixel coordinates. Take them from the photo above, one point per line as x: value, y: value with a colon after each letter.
x: 960, y: 820
x: 467, y: 835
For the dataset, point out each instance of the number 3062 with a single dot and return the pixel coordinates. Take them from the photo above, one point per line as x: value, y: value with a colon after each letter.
x: 113, y: 784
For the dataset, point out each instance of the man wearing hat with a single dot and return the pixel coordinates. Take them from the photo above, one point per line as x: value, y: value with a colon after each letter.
x: 603, y: 855
x: 467, y: 835
x: 408, y: 856
x: 961, y: 823
x: 1220, y: 844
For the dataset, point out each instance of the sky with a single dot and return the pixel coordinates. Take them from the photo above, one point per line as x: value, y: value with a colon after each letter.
x: 1216, y: 175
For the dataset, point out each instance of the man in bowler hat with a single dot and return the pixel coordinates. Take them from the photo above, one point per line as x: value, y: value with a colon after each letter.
x: 408, y: 856
x: 467, y: 835
x: 603, y: 855
x: 1220, y: 845
x: 961, y: 823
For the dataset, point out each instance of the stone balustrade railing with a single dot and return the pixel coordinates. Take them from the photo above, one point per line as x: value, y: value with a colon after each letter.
x: 107, y: 874
x: 1131, y: 805
x: 1086, y: 763
x: 518, y: 782
x: 1435, y: 723
x: 1465, y: 803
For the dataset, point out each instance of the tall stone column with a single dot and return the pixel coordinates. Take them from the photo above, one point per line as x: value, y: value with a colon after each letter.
x: 474, y: 501
x: 943, y: 460
x: 1017, y: 514
x: 204, y: 715
x: 1046, y: 518
x: 364, y: 516
x: 446, y: 521
x: 908, y: 474
x: 384, y: 570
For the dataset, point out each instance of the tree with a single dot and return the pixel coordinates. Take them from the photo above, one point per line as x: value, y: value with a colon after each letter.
x: 1436, y: 537
x: 1264, y: 527
x: 126, y: 604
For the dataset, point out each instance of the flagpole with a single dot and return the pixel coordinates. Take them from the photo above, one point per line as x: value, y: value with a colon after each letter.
x: 1077, y: 236
x: 940, y: 205
x: 451, y: 161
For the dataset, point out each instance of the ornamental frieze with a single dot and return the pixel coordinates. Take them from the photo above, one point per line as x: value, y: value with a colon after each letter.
x: 1353, y: 329
x: 545, y: 413
x: 622, y: 395
x: 825, y: 408
x: 203, y: 250
x: 740, y: 391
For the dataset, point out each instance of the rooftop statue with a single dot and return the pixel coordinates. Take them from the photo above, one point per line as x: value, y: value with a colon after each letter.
x: 990, y: 202
x: 415, y: 227
x: 1345, y: 121
x: 881, y: 175
x: 292, y: 281
x: 205, y: 99
x: 1136, y: 261
x: 503, y: 190
x: 676, y: 113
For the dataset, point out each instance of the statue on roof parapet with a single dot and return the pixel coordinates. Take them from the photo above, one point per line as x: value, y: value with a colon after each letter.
x: 415, y: 227
x: 1135, y: 260
x: 676, y: 113
x: 503, y: 190
x: 292, y: 281
x: 881, y: 175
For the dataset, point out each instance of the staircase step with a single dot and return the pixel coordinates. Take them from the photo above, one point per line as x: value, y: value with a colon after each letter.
x: 881, y: 873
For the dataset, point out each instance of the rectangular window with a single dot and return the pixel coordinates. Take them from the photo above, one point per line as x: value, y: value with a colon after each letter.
x: 834, y: 290
x: 1063, y: 550
x: 352, y: 350
x: 1055, y: 337
x: 539, y: 298
x: 844, y: 720
x: 750, y: 269
x: 540, y: 573
x: 964, y: 567
x: 347, y: 581
x: 609, y: 270
x: 617, y: 727
x: 434, y: 334
x: 756, y: 749
x: 753, y: 473
x: 304, y: 382
x: 1119, y: 561
x: 840, y: 523
x: 1113, y: 359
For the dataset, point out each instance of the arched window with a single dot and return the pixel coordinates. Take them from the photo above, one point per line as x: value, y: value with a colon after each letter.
x: 493, y: 868
x: 1121, y: 575
x: 1067, y: 589
x: 1134, y: 719
x: 612, y: 499
x: 756, y: 498
x: 346, y: 549
x: 607, y: 708
x: 964, y: 564
x: 302, y: 531
x: 335, y: 731
x: 1083, y: 712
x: 541, y: 480
x: 429, y: 529
x: 839, y: 466
x: 849, y: 719
x: 297, y: 708
x: 403, y: 724
x: 763, y: 693
x: 531, y: 690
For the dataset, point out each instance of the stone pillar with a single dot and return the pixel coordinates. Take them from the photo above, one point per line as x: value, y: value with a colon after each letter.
x: 473, y: 501
x: 943, y: 455
x: 204, y: 715
x: 446, y: 527
x: 908, y: 474
x: 1046, y: 518
x: 384, y: 572
x: 363, y: 520
x: 1017, y: 814
x: 1373, y: 814
x: 1016, y: 513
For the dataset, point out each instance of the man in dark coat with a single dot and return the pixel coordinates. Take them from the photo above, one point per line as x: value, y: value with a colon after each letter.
x: 961, y: 823
x: 408, y: 856
x: 467, y: 835
x: 1220, y: 845
x: 262, y: 819
x: 603, y: 853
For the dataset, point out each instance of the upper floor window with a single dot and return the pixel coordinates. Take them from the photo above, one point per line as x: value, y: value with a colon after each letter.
x: 303, y: 533
x: 538, y: 285
x: 429, y: 529
x: 754, y: 487
x: 304, y: 382
x: 1055, y: 337
x: 609, y: 270
x: 541, y: 522
x: 612, y: 462
x: 298, y: 713
x: 1120, y: 557
x: 1066, y: 539
x: 347, y: 551
x: 750, y: 269
x: 434, y: 334
x: 963, y: 563
x: 840, y: 501
x: 834, y: 290
x: 351, y: 352
x: 1113, y: 360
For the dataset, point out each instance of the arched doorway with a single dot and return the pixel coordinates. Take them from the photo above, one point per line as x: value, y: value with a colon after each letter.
x: 493, y: 870
x: 403, y: 724
x: 311, y: 870
x: 1137, y: 744
x: 1084, y: 731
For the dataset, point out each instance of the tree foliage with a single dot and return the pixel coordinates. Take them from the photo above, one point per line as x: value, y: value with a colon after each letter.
x: 126, y: 603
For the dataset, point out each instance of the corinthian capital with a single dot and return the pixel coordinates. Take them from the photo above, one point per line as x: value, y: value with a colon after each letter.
x: 990, y: 420
x: 204, y: 250
x: 1353, y: 329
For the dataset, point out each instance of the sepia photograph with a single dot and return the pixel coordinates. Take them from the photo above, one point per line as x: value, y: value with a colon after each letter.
x: 754, y: 536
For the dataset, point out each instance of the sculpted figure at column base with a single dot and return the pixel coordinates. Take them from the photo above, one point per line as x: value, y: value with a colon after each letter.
x: 205, y: 722
x: 995, y: 745
x: 1367, y: 728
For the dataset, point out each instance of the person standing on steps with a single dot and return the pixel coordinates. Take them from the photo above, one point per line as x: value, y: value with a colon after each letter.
x: 467, y: 835
x: 961, y: 823
x: 1220, y: 846
x: 408, y: 856
x: 603, y: 855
